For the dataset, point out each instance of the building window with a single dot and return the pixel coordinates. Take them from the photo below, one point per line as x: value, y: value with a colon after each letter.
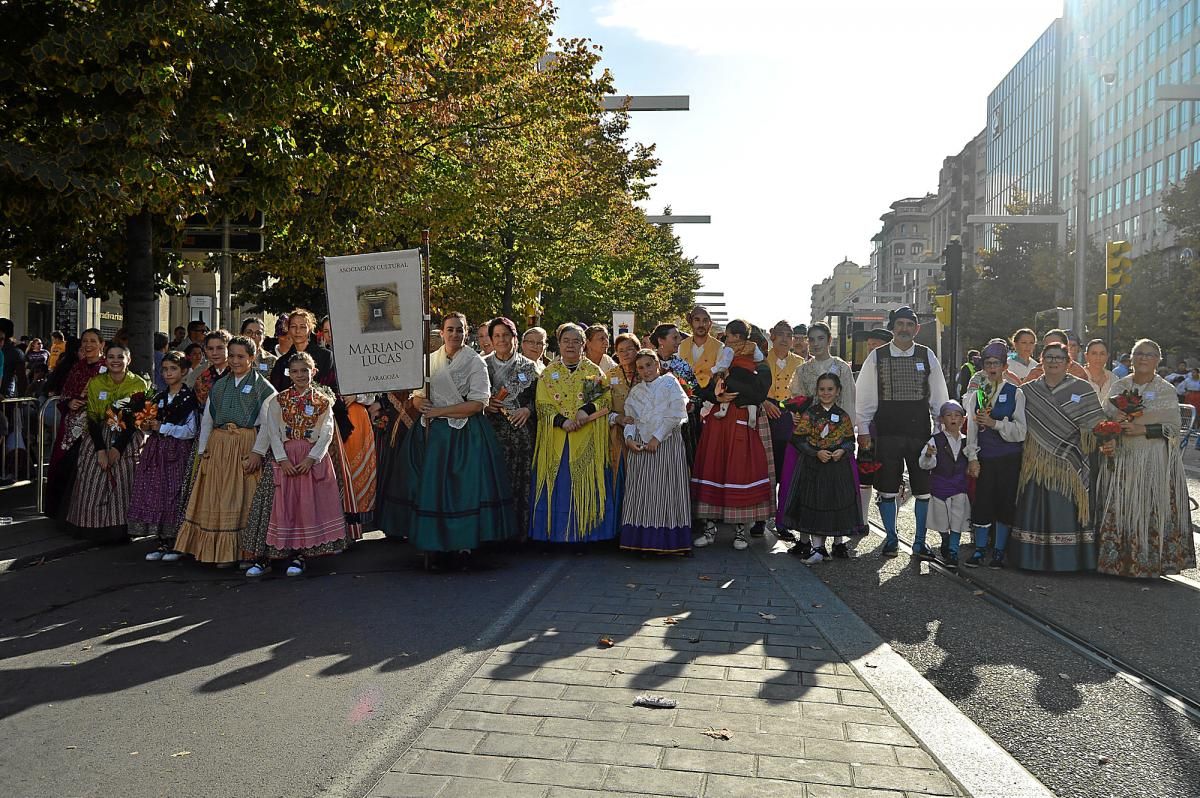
x: 915, y: 250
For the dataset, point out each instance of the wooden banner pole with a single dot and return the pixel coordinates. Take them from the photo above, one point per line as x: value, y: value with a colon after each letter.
x: 428, y: 317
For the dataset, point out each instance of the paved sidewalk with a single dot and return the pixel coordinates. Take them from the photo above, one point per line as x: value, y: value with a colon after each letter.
x: 550, y: 715
x: 31, y: 537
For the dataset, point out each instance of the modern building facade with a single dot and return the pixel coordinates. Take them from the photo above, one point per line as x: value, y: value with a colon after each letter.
x: 961, y: 183
x: 1116, y: 56
x: 1022, y: 151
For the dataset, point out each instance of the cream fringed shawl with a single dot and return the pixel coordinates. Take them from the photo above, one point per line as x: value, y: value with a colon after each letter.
x: 560, y: 391
x: 1059, y: 438
x: 1149, y: 470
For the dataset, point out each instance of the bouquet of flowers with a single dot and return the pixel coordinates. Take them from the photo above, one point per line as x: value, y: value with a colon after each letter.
x: 796, y: 404
x: 687, y: 388
x: 1107, y: 431
x: 1129, y: 402
x: 593, y: 390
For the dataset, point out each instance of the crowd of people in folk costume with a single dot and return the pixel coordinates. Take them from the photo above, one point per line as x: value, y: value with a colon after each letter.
x: 240, y: 454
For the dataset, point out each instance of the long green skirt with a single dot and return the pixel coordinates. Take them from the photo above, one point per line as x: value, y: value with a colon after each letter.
x: 1047, y: 535
x: 455, y: 490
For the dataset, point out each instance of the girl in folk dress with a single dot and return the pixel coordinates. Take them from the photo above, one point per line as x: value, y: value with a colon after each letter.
x: 306, y: 513
x: 230, y: 504
x: 657, y: 511
x: 108, y: 455
x: 822, y: 500
x: 513, y: 379
x: 164, y: 460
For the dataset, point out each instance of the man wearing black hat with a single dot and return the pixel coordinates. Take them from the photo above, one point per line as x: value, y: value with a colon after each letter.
x: 901, y: 389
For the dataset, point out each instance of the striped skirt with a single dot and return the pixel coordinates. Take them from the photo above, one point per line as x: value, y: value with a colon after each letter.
x: 656, y: 514
x: 100, y: 499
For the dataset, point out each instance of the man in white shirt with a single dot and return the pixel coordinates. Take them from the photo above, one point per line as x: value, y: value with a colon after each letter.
x: 901, y: 389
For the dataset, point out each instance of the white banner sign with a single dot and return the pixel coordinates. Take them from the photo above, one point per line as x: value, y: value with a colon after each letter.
x: 622, y: 322
x: 376, y: 311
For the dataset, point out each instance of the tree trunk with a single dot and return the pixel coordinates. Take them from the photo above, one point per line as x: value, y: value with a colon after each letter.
x: 508, y: 264
x: 140, y: 317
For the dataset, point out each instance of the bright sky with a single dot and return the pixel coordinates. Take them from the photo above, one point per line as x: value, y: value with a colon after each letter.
x: 807, y: 119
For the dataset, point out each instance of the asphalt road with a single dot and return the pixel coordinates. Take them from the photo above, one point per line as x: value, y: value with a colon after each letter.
x: 125, y: 678
x: 1078, y: 728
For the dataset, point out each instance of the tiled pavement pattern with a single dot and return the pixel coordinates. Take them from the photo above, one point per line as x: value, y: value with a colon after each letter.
x: 550, y: 713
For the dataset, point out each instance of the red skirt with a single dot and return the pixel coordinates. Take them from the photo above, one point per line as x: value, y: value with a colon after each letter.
x: 731, y: 462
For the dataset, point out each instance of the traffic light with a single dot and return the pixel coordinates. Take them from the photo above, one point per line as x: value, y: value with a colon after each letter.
x: 953, y: 269
x: 941, y: 309
x: 1117, y: 264
x: 1102, y: 309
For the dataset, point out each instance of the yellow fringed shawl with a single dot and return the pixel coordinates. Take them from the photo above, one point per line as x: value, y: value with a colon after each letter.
x: 560, y: 392
x: 1046, y: 469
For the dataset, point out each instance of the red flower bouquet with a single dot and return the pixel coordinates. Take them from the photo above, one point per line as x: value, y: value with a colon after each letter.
x: 1107, y: 431
x: 1129, y: 402
x: 797, y: 404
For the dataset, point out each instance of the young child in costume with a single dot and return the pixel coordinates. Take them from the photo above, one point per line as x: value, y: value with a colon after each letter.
x: 945, y: 457
x: 736, y: 366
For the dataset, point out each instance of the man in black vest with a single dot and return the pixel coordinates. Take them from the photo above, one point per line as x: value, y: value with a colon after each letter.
x: 901, y: 389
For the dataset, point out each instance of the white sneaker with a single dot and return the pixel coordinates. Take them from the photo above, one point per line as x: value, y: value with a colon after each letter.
x: 814, y: 558
x: 739, y: 539
x: 295, y: 570
x: 172, y: 556
x: 154, y: 556
x: 254, y: 570
x: 707, y: 537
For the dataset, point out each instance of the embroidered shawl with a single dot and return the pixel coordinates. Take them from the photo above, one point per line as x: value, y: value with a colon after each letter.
x: 1059, y: 436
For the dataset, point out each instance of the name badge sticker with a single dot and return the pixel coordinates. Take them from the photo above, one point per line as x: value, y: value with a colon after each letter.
x: 522, y: 378
x: 1149, y: 396
x: 309, y: 410
x: 614, y: 380
x: 262, y: 366
x: 246, y: 388
x: 104, y: 369
x: 161, y: 403
x: 103, y: 395
x: 1075, y: 398
x: 554, y: 375
x: 920, y: 366
x: 1002, y: 398
x: 835, y: 418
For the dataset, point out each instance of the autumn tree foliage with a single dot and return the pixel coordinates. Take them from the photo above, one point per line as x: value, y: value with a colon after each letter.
x: 353, y: 125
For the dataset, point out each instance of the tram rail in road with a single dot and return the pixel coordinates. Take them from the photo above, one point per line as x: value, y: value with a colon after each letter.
x: 1165, y: 693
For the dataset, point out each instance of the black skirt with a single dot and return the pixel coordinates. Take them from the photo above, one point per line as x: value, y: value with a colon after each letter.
x: 823, y: 498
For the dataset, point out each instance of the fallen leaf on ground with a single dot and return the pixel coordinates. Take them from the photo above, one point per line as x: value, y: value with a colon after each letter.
x: 616, y: 671
x: 134, y: 753
x: 818, y: 606
x: 772, y: 569
x: 631, y: 586
x: 1103, y: 760
x: 605, y: 642
x: 693, y: 639
x: 704, y: 578
x: 72, y: 747
x: 181, y: 753
x: 727, y: 584
x: 717, y: 734
x: 766, y: 616
x: 977, y: 592
x: 871, y: 665
x: 86, y: 648
x: 1064, y: 676
x: 670, y: 621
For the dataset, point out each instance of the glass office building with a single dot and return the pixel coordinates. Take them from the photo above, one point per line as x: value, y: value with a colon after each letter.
x: 1116, y: 53
x: 1022, y: 136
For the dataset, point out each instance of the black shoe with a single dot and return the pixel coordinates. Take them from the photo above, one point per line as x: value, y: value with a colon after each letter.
x: 997, y: 561
x: 840, y: 551
x: 759, y: 529
x: 890, y: 550
x: 975, y: 560
x: 785, y: 534
x: 803, y: 550
x: 944, y: 552
x: 923, y: 553
x: 951, y: 562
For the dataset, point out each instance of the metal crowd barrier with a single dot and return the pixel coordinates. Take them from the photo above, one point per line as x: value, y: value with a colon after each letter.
x: 19, y: 419
x: 1187, y: 425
